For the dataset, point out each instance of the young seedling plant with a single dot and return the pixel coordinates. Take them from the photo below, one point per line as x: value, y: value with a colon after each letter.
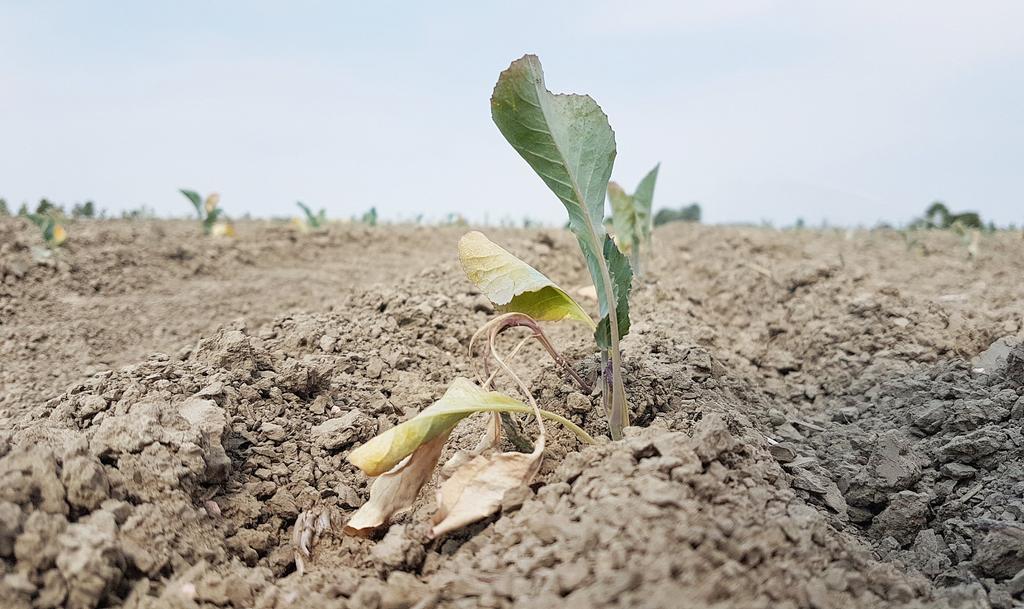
x: 313, y: 221
x: 568, y: 141
x: 632, y: 218
x: 52, y: 231
x: 209, y: 214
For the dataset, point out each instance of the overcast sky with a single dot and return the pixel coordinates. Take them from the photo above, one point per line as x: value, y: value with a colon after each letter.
x: 847, y: 112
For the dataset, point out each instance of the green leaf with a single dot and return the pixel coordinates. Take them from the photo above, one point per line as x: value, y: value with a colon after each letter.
x: 514, y: 286
x: 39, y: 220
x: 462, y: 399
x: 624, y: 217
x: 196, y: 200
x: 643, y: 199
x: 567, y: 140
x: 211, y: 219
x: 311, y: 220
x: 622, y: 281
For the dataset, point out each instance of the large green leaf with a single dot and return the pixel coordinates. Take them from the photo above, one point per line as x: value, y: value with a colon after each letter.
x: 643, y: 199
x: 624, y: 217
x: 462, y: 399
x: 569, y: 143
x: 196, y: 200
x: 622, y: 282
x: 514, y: 286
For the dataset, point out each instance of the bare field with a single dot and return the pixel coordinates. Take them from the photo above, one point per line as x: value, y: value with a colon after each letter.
x: 810, y: 428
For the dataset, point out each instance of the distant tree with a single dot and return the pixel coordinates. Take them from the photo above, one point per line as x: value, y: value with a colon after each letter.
x: 938, y: 216
x: 970, y: 219
x: 3, y: 208
x: 23, y: 210
x: 687, y: 213
x: 49, y: 208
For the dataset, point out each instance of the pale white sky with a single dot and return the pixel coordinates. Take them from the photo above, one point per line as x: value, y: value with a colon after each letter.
x: 850, y: 112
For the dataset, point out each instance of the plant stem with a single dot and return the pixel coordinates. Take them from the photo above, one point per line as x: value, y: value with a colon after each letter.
x: 522, y: 444
x: 618, y: 408
x: 505, y: 419
x: 510, y: 320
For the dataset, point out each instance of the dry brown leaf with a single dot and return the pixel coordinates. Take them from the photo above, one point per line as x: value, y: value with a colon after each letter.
x: 476, y: 489
x: 395, y: 491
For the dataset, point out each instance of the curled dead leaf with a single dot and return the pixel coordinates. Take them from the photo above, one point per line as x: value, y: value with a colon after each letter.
x: 477, y: 486
x: 395, y: 491
x: 476, y: 489
x: 211, y: 202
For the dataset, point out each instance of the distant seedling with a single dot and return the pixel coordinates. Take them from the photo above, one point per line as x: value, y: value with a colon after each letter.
x: 312, y: 221
x: 455, y: 219
x: 209, y: 213
x: 53, y: 232
x: 632, y: 218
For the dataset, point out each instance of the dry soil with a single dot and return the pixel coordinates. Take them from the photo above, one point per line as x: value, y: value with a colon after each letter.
x: 822, y: 419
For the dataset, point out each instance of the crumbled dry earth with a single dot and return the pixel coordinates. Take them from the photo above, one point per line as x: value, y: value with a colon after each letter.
x: 811, y: 430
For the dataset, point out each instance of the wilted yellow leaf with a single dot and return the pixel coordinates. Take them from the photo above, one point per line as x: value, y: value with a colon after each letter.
x: 395, y: 491
x: 224, y: 229
x: 59, y: 235
x: 514, y: 286
x: 462, y: 399
x: 211, y: 202
x: 477, y: 487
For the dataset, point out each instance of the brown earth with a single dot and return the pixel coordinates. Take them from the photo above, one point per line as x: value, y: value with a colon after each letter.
x: 810, y: 429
